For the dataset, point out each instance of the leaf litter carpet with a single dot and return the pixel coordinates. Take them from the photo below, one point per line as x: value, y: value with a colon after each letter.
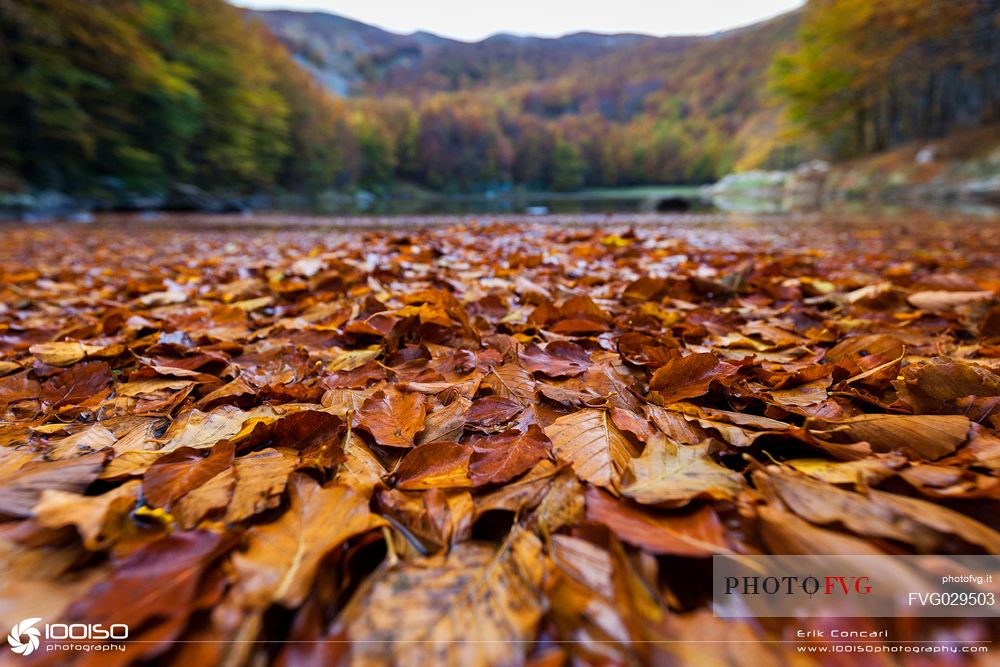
x: 483, y: 445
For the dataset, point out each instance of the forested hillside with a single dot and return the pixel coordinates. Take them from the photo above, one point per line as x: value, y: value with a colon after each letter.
x: 871, y: 75
x: 115, y: 96
x: 584, y: 109
x: 137, y: 94
x: 354, y: 58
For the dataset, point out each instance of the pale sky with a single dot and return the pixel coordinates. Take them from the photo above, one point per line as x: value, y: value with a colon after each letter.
x: 473, y: 20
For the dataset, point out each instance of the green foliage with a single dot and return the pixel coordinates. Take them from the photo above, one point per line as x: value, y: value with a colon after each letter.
x: 138, y: 94
x: 568, y: 167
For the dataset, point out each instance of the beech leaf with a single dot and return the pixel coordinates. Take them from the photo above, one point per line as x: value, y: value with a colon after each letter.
x: 474, y: 606
x: 392, y: 417
x: 590, y: 442
x: 282, y: 557
x: 669, y: 473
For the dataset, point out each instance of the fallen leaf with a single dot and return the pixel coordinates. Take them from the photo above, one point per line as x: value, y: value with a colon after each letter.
x: 671, y: 474
x: 590, y: 442
x: 690, y: 376
x: 282, y: 557
x: 158, y: 584
x: 435, y: 465
x: 558, y: 359
x: 875, y: 513
x: 474, y: 606
x: 492, y: 411
x: 942, y: 300
x: 21, y: 488
x: 92, y: 516
x: 392, y: 417
x: 503, y: 456
x: 259, y: 478
x: 183, y: 470
x: 512, y: 382
x: 926, y: 437
x: 868, y: 471
x: 62, y: 353
x: 696, y: 533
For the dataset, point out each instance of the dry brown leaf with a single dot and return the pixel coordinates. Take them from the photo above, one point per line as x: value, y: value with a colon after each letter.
x: 917, y: 436
x: 199, y: 429
x: 590, y: 442
x: 435, y: 465
x: 62, y: 353
x: 473, y: 607
x: 21, y: 488
x: 491, y: 412
x: 361, y: 469
x: 259, y: 478
x: 942, y: 300
x: 445, y: 423
x: 512, y: 382
x: 690, y: 376
x: 558, y: 359
x: 501, y: 457
x: 282, y: 557
x: 876, y: 513
x: 671, y: 474
x: 183, y: 470
x: 691, y: 533
x: 93, y: 516
x: 392, y: 417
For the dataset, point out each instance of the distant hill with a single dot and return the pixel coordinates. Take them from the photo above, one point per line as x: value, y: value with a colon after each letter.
x: 352, y: 58
x: 621, y: 109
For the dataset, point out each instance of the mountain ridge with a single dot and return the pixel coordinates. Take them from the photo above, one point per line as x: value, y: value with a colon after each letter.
x: 355, y: 58
x: 579, y: 109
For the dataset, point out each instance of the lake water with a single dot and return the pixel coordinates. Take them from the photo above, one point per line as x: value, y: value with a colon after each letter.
x: 611, y: 200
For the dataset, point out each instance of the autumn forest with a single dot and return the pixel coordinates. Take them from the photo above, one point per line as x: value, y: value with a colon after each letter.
x: 133, y: 95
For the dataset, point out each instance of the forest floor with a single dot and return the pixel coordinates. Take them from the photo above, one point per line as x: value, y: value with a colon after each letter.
x: 476, y: 444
